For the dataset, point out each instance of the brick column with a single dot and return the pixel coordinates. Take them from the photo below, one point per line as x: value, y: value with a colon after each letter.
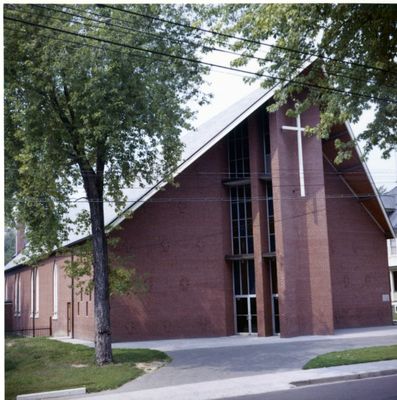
x: 259, y: 228
x: 302, y: 244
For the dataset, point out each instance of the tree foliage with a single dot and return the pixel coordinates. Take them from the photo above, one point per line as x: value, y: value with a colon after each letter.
x: 91, y: 112
x: 9, y: 244
x: 355, y: 47
x: 123, y: 277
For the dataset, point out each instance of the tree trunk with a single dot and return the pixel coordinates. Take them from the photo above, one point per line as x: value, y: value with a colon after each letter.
x: 103, y: 343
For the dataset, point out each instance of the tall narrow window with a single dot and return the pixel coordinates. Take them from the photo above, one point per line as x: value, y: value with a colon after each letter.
x: 17, y: 295
x: 34, y: 293
x: 37, y: 293
x: 55, y: 291
x: 270, y: 217
x: 240, y: 194
x: 239, y: 164
x: 266, y: 144
x: 241, y: 220
x: 394, y: 281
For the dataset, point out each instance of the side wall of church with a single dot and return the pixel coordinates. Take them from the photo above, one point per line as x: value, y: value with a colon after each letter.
x: 358, y: 256
x: 62, y: 325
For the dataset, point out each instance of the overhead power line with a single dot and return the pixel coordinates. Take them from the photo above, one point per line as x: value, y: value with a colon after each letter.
x: 193, y: 60
x: 284, y: 171
x: 227, y: 199
x: 180, y: 41
x: 212, y: 32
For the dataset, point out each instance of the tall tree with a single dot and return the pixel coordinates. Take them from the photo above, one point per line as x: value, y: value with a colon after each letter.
x: 90, y: 100
x: 355, y: 48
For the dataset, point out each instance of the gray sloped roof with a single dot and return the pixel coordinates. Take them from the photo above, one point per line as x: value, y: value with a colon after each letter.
x: 389, y: 199
x: 393, y: 220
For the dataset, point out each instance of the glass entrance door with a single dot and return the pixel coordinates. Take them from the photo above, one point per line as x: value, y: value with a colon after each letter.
x: 245, y: 297
x: 274, y: 291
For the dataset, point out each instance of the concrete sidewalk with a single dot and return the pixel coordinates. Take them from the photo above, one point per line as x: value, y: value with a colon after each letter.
x: 256, y: 384
x: 242, y: 340
x: 213, y: 368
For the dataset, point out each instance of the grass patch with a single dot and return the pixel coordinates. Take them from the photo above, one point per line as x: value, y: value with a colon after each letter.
x: 354, y: 356
x: 40, y: 364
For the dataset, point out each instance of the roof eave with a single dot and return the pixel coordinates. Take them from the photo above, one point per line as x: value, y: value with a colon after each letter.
x: 358, y: 150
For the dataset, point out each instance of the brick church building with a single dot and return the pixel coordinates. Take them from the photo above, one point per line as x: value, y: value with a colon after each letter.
x: 262, y: 235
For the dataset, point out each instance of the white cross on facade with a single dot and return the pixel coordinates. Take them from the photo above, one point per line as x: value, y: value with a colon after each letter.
x: 299, y: 130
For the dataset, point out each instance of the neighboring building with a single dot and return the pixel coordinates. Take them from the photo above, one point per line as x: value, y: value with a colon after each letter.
x: 390, y: 203
x: 245, y: 244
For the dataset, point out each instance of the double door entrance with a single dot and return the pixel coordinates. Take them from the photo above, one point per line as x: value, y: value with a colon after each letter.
x: 245, y: 297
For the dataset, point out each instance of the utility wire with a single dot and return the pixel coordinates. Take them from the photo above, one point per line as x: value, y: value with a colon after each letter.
x: 81, y: 44
x: 203, y: 199
x: 226, y: 199
x: 192, y: 60
x: 162, y: 37
x: 214, y: 49
x: 281, y: 171
x: 212, y: 32
x: 73, y: 44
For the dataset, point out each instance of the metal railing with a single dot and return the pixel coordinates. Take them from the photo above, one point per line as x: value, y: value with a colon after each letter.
x: 30, y: 332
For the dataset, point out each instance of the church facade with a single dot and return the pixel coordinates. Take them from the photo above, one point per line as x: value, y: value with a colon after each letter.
x: 263, y: 234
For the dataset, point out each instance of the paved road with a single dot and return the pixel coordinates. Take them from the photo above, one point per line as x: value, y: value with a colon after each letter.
x: 198, y: 365
x: 381, y: 388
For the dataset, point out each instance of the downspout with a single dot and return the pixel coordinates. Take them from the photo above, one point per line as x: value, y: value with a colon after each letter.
x: 72, y: 293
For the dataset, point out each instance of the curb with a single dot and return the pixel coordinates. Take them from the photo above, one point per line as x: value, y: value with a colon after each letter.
x: 51, y: 395
x: 341, y: 378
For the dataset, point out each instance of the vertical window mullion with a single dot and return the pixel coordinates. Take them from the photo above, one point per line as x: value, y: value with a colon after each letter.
x: 238, y: 221
x: 246, y: 219
x: 235, y: 158
x: 241, y: 279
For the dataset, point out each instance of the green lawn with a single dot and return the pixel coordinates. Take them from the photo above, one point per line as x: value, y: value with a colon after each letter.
x: 40, y: 364
x: 354, y: 356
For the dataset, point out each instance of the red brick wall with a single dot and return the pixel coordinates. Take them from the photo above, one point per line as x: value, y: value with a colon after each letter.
x: 180, y: 244
x: 358, y: 257
x: 83, y: 314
